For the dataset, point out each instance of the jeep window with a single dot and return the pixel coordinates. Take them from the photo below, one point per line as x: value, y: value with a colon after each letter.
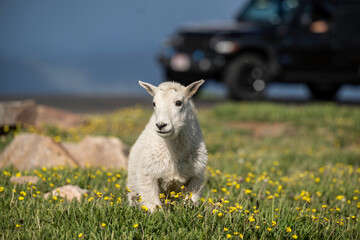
x: 271, y: 11
x: 317, y: 17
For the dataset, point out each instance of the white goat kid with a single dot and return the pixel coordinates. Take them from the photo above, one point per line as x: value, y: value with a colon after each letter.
x: 170, y: 152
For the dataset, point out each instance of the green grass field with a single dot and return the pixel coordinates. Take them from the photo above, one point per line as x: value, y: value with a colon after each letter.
x: 274, y: 172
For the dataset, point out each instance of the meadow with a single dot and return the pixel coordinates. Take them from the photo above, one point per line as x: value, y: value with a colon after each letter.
x: 275, y: 172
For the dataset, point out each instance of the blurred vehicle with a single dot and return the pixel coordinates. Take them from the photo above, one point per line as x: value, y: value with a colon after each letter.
x: 314, y: 42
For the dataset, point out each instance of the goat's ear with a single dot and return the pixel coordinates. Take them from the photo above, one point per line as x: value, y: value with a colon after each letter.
x: 148, y: 87
x: 192, y: 88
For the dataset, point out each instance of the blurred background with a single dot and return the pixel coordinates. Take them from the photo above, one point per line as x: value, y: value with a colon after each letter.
x: 102, y: 48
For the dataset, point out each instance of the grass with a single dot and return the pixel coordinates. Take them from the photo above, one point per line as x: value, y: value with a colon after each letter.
x: 299, y: 182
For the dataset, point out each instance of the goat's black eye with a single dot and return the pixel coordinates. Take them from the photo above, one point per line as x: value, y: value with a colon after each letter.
x: 178, y: 103
x: 154, y: 104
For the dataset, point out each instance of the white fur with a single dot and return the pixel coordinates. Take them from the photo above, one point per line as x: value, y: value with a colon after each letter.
x: 161, y: 162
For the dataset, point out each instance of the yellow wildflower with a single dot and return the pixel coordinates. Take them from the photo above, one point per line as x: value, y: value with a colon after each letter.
x: 17, y: 225
x: 340, y: 197
x: 136, y: 225
x: 21, y: 198
x: 80, y: 235
x: 144, y: 208
x: 288, y: 229
x: 103, y: 225
x: 1, y: 189
x: 228, y: 236
x: 294, y: 236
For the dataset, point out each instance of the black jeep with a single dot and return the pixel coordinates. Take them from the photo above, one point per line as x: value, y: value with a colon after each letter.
x: 314, y: 42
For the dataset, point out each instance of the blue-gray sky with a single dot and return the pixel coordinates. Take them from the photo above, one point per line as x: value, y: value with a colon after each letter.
x: 47, y: 28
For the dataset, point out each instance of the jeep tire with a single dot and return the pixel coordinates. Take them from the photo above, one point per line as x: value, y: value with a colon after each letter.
x: 246, y: 77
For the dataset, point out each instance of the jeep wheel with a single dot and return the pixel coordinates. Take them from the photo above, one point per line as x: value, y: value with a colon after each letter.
x: 323, y: 91
x: 246, y: 78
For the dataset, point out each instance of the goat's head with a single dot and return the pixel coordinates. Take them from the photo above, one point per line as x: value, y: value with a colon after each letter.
x: 172, y: 105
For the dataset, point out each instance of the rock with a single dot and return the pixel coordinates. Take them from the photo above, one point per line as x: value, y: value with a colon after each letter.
x: 57, y: 117
x: 30, y: 151
x: 24, y: 179
x: 14, y: 112
x: 99, y: 151
x: 69, y: 192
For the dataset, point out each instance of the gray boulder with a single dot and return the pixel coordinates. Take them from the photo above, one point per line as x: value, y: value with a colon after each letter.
x: 14, y: 112
x: 30, y: 151
x: 98, y: 151
x: 69, y: 192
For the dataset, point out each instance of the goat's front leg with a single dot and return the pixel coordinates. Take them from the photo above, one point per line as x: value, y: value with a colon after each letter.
x: 149, y: 192
x: 195, y: 185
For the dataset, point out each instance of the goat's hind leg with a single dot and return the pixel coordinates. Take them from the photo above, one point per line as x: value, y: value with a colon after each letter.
x: 195, y: 186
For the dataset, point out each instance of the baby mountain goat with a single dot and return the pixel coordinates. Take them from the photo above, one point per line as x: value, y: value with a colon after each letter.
x: 170, y: 152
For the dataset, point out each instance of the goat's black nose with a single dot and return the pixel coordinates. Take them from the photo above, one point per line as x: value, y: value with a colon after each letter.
x: 161, y: 125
